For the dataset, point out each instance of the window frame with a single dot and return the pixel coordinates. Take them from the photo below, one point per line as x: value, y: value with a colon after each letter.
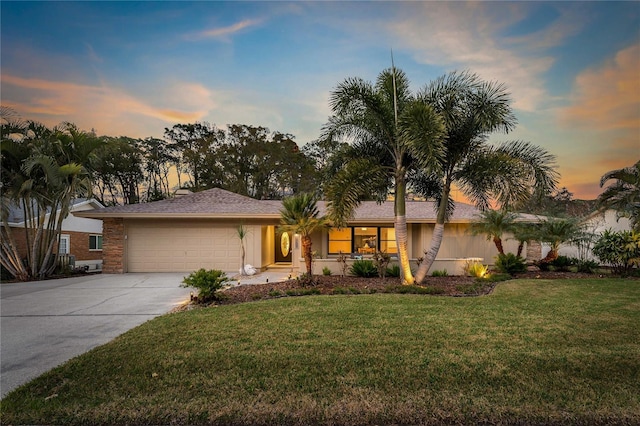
x: 98, y: 237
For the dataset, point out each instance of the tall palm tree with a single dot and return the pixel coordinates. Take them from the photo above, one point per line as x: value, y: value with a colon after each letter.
x: 493, y: 224
x: 623, y: 195
x: 391, y: 132
x: 300, y: 215
x: 472, y: 109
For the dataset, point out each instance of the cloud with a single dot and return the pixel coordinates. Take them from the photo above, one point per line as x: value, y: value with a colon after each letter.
x: 608, y: 97
x: 225, y: 32
x: 469, y: 36
x: 102, y: 107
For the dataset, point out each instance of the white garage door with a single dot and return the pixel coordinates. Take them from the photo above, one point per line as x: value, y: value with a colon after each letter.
x: 165, y: 247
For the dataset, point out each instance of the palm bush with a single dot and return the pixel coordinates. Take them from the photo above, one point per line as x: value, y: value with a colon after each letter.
x: 620, y: 250
x: 562, y: 263
x: 393, y: 271
x: 510, y: 264
x: 364, y: 268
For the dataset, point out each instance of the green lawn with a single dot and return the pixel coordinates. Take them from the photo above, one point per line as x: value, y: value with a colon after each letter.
x: 534, y: 351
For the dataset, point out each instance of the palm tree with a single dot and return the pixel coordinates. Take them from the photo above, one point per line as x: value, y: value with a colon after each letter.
x: 391, y: 132
x: 241, y: 232
x: 624, y: 194
x: 556, y: 232
x: 472, y: 109
x: 494, y: 223
x: 300, y: 216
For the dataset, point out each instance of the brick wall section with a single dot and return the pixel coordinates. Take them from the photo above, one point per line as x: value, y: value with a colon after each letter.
x: 113, y: 246
x: 79, y: 244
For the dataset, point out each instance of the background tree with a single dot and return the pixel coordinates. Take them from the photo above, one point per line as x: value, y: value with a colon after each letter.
x: 493, y: 224
x: 390, y: 131
x: 300, y: 215
x: 158, y: 158
x: 623, y: 194
x: 118, y: 171
x: 472, y: 109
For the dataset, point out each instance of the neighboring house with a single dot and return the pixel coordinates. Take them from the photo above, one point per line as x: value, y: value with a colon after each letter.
x: 80, y: 237
x: 596, y: 223
x: 199, y: 230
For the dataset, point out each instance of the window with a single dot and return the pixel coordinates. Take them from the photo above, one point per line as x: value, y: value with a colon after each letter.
x: 95, y: 242
x: 388, y: 240
x: 339, y: 240
x: 64, y: 244
x: 365, y: 239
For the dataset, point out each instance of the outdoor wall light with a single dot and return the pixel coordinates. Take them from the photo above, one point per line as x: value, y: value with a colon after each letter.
x: 191, y: 295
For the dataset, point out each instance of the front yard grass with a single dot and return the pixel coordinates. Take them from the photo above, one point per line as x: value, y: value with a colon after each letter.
x: 532, y: 352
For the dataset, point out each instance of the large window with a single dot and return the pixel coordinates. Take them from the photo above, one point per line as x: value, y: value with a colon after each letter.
x: 362, y: 240
x: 95, y: 242
x: 339, y: 240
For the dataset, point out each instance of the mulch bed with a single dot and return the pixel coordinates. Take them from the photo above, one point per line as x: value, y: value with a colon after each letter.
x: 454, y: 286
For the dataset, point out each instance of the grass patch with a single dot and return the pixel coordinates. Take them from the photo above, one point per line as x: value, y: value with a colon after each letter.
x: 534, y: 351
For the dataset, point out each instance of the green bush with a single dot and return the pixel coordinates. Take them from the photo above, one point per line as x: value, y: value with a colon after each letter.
x: 442, y: 273
x: 207, y: 282
x: 364, y: 268
x: 414, y: 289
x: 494, y: 278
x: 562, y: 263
x: 587, y: 266
x: 326, y: 271
x: 394, y: 271
x: 620, y: 250
x: 306, y: 280
x: 510, y: 264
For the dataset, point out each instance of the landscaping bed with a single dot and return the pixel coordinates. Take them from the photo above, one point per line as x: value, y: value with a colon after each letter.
x: 456, y: 286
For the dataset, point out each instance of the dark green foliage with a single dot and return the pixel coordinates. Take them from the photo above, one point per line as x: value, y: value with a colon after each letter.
x: 620, y: 250
x: 510, y: 263
x: 587, y: 266
x: 442, y: 273
x: 326, y: 271
x: 364, y: 268
x: 394, y: 271
x: 303, y: 292
x: 413, y: 289
x: 562, y: 263
x: 207, y: 282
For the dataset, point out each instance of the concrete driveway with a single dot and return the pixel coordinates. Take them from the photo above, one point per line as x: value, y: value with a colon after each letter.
x: 45, y: 323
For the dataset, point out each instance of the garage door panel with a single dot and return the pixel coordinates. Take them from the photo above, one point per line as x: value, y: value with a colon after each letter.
x: 166, y: 248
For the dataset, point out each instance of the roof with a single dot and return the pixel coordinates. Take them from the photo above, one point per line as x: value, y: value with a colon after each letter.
x: 16, y: 216
x: 219, y: 203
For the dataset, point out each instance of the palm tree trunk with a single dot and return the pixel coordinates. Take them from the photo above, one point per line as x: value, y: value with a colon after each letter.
x: 402, y: 237
x: 498, y: 242
x: 438, y: 232
x: 306, y: 250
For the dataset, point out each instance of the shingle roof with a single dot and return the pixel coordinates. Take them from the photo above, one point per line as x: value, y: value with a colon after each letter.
x: 219, y: 203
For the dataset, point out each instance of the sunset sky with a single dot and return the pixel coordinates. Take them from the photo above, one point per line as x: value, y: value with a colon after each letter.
x: 134, y: 68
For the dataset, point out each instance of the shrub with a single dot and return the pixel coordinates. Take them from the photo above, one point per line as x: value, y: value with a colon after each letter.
x: 494, y: 278
x: 510, y: 264
x: 394, y: 271
x: 326, y: 271
x: 207, y: 283
x: 414, y: 289
x: 381, y: 259
x: 442, y: 273
x: 475, y: 269
x: 562, y: 263
x: 620, y: 250
x: 364, y: 268
x: 587, y: 266
x: 306, y: 280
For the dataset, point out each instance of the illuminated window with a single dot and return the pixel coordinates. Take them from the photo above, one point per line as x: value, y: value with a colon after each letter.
x: 339, y: 240
x: 365, y: 240
x: 388, y: 240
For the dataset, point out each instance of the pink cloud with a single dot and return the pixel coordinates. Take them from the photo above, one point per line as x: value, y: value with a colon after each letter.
x: 223, y: 32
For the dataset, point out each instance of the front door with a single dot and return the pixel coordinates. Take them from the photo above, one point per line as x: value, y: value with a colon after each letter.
x: 283, y: 246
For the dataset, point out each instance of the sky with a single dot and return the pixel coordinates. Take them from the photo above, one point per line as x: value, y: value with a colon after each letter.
x: 136, y: 68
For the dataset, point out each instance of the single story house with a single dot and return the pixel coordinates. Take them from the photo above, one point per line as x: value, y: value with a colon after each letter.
x: 80, y: 238
x: 199, y: 230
